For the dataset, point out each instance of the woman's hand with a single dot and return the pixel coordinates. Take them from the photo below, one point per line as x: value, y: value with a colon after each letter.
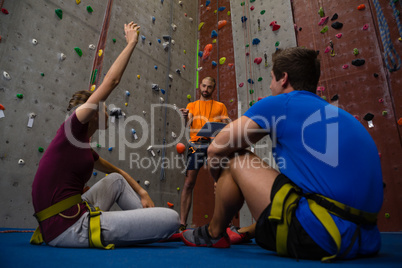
x: 146, y: 200
x: 131, y: 30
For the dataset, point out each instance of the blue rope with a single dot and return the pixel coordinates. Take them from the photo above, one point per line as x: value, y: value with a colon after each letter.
x: 389, y: 49
x: 396, y: 14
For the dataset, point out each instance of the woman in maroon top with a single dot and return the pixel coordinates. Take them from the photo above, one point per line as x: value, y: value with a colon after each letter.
x: 67, y: 165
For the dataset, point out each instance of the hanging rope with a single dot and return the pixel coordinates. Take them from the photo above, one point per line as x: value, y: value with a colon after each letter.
x: 396, y: 14
x: 390, y: 53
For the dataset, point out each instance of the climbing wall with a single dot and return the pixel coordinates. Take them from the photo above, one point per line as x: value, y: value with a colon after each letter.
x: 259, y: 28
x: 215, y: 59
x: 41, y: 67
x: 358, y: 78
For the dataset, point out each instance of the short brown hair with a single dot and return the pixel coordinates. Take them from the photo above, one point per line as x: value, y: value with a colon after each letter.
x: 210, y: 79
x: 301, y: 65
x: 78, y: 98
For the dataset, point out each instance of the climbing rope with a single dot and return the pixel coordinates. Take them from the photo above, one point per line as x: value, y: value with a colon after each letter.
x: 396, y: 14
x: 389, y: 50
x: 16, y: 231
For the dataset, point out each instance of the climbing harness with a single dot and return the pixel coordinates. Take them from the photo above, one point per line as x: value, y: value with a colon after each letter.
x: 286, y: 201
x: 389, y: 49
x: 94, y: 227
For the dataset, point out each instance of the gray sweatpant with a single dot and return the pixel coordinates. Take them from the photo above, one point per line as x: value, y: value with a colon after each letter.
x: 133, y: 225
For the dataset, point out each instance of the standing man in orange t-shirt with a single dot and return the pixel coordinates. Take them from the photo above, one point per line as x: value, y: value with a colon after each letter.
x: 196, y: 115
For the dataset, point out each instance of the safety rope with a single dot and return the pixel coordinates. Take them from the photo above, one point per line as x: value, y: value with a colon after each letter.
x: 16, y: 231
x: 389, y: 50
x: 396, y: 14
x: 217, y: 50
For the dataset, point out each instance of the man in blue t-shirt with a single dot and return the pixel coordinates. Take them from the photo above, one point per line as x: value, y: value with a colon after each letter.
x: 323, y: 153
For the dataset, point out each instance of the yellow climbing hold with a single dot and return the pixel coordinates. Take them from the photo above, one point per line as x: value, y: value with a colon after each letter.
x: 93, y: 88
x: 100, y: 52
x: 126, y: 104
x: 138, y: 76
x: 214, y: 41
x: 222, y: 60
x: 200, y: 25
x: 78, y: 1
x: 229, y: 13
x: 400, y: 39
x: 184, y: 51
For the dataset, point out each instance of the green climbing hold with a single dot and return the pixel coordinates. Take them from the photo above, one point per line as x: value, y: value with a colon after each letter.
x: 188, y: 96
x: 89, y: 9
x: 231, y: 100
x: 355, y: 51
x: 384, y: 113
x: 324, y: 30
x: 242, y: 3
x: 222, y: 60
x: 262, y: 12
x: 251, y: 1
x: 251, y: 91
x: 200, y: 25
x: 324, y: 97
x: 78, y: 50
x: 229, y: 13
x: 114, y: 40
x: 40, y: 149
x: 20, y: 96
x: 277, y: 43
x: 98, y: 145
x: 59, y: 13
x: 247, y: 45
x: 251, y: 103
x: 259, y: 79
x: 321, y: 12
x: 42, y: 74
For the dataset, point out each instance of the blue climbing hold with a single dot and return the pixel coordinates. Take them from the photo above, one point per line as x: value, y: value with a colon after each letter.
x: 250, y: 81
x: 127, y: 93
x: 207, y: 3
x: 200, y: 54
x: 153, y: 19
x: 159, y: 41
x: 156, y: 67
x: 214, y: 34
x: 214, y: 63
x: 143, y: 37
x: 256, y: 41
x: 110, y: 149
x: 95, y: 173
x: 221, y: 8
x: 163, y: 91
x: 243, y: 19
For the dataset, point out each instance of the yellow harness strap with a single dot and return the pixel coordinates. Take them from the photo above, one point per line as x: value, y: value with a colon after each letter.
x: 55, y: 209
x: 286, y: 200
x: 94, y: 228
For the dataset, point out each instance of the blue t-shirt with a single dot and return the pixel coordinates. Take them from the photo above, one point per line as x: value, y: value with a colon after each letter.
x: 325, y: 150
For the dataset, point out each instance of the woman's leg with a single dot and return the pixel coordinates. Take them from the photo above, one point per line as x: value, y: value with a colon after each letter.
x: 112, y: 189
x: 146, y: 225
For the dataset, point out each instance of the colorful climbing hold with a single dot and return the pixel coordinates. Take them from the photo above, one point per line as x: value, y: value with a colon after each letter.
x: 2, y: 107
x: 384, y: 113
x: 156, y: 67
x: 259, y: 79
x: 345, y: 66
x: 241, y: 84
x: 221, y: 8
x: 42, y: 74
x: 58, y: 11
x: 365, y: 27
x: 242, y: 3
x: 214, y: 41
x: 324, y: 30
x: 221, y: 23
x: 277, y: 43
x: 275, y: 26
x: 321, y: 12
x: 78, y: 2
x: 207, y: 51
x: 250, y: 81
x: 229, y: 13
x: 400, y: 121
x: 243, y: 19
x: 78, y: 50
x: 258, y: 60
x: 93, y: 88
x: 207, y: 3
x: 262, y: 12
x: 138, y: 76
x: 214, y: 34
x: 251, y: 91
x: 337, y: 25
x: 110, y: 149
x: 188, y: 96
x: 339, y: 35
x: 222, y: 60
x: 114, y: 40
x: 358, y: 62
x: 20, y: 96
x: 214, y: 64
x: 180, y: 148
x: 252, y: 8
x: 170, y: 204
x: 355, y: 51
x: 256, y: 41
x: 41, y: 150
x: 323, y: 21
x: 89, y: 9
x: 100, y: 52
x: 361, y: 7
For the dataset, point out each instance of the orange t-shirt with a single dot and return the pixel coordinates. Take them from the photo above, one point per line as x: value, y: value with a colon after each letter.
x: 205, y: 111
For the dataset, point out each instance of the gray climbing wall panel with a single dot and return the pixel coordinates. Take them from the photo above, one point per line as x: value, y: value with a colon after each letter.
x: 259, y: 14
x: 47, y: 96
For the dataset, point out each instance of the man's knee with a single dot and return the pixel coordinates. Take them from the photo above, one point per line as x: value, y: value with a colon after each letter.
x: 114, y: 178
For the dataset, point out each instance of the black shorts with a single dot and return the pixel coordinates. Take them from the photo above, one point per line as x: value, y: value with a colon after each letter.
x: 196, y: 155
x: 300, y: 244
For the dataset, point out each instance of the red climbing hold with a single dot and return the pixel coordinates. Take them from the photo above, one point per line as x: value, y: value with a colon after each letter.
x: 170, y: 204
x: 252, y: 8
x: 241, y: 84
x: 221, y: 23
x: 180, y: 148
x: 365, y: 27
x: 5, y: 11
x: 323, y: 21
x: 361, y: 7
x: 275, y: 26
x: 207, y: 51
x: 258, y: 60
x: 2, y: 107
